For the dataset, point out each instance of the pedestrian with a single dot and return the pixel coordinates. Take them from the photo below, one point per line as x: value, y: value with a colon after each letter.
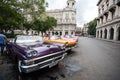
x: 3, y: 41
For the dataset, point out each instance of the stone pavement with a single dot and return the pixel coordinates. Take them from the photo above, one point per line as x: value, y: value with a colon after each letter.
x: 109, y: 40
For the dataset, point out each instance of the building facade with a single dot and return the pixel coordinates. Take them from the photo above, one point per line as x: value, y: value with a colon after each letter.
x: 108, y: 21
x: 85, y: 30
x: 66, y: 19
x: 78, y: 31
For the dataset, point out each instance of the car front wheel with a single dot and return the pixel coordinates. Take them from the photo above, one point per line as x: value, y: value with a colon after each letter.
x: 69, y: 51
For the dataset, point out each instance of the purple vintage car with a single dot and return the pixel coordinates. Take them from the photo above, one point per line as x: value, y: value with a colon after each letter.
x: 33, y: 54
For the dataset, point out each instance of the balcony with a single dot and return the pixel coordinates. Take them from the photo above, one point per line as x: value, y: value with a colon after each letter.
x: 118, y: 2
x: 105, y: 12
x: 112, y: 6
x: 114, y: 20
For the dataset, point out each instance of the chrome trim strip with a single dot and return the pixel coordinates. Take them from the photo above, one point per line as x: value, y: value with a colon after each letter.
x: 62, y: 56
x: 44, y: 56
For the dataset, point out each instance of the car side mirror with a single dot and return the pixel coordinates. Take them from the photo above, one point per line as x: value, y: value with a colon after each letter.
x: 10, y: 40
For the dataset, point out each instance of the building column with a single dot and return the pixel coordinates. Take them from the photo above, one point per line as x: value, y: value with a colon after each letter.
x: 100, y: 20
x: 96, y: 33
x: 103, y: 33
x: 51, y: 32
x: 63, y: 32
x: 97, y: 22
x: 104, y: 19
x: 115, y: 33
x: 99, y: 33
x: 109, y: 16
x: 69, y: 32
x: 108, y: 33
x: 117, y: 11
x: 58, y: 32
x: 73, y: 32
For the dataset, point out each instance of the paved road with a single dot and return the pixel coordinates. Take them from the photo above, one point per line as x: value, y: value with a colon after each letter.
x: 92, y: 60
x: 99, y: 60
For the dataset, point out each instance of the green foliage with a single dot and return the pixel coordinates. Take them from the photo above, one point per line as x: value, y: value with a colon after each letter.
x: 9, y: 17
x: 27, y: 25
x: 32, y: 7
x: 10, y: 35
x: 92, y: 27
x: 14, y: 14
x: 44, y: 25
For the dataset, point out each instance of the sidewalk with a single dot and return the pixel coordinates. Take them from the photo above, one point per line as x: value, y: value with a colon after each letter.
x: 1, y: 60
x: 109, y: 40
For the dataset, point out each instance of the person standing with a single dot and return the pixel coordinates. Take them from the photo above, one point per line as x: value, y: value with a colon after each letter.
x: 3, y: 40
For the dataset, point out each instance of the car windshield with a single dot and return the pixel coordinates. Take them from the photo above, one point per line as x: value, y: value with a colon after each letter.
x: 69, y: 36
x: 25, y: 39
x: 54, y: 37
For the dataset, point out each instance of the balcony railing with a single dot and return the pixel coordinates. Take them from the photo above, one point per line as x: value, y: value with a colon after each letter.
x: 118, y: 2
x: 114, y: 20
x: 112, y: 6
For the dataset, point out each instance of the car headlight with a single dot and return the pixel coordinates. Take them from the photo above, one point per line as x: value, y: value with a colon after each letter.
x: 31, y: 53
x: 27, y: 63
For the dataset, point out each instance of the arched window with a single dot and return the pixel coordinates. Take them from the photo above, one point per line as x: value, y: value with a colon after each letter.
x: 111, y: 33
x: 105, y: 32
x: 101, y: 34
x: 119, y: 33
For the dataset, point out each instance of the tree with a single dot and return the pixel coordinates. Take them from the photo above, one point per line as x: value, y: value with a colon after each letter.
x: 92, y: 27
x: 25, y: 14
x: 44, y: 25
x: 9, y: 17
x: 32, y: 8
x: 33, y: 11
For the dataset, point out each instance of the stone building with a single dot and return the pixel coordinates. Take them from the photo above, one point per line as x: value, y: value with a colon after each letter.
x: 85, y: 30
x: 108, y: 21
x: 66, y: 19
x: 78, y: 31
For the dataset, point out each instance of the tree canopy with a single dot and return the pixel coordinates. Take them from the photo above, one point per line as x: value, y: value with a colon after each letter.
x: 33, y: 8
x: 9, y: 16
x: 25, y: 14
x: 92, y: 27
x: 44, y: 25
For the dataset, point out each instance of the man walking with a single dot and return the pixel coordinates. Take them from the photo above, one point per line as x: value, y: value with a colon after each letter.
x: 2, y: 42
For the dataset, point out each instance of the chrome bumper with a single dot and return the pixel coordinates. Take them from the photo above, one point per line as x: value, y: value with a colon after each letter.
x: 44, y: 63
x: 71, y: 47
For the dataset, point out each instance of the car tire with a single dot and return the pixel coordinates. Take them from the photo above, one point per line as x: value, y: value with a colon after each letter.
x: 69, y: 51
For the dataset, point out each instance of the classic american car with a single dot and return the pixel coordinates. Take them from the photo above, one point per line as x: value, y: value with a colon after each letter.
x: 70, y: 37
x: 55, y: 39
x: 33, y: 54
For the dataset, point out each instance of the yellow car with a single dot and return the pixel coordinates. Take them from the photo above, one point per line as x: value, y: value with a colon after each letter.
x: 68, y: 43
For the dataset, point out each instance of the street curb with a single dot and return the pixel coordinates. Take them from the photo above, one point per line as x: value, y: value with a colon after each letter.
x: 118, y: 42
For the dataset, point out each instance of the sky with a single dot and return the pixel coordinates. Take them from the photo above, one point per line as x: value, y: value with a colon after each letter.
x: 86, y: 9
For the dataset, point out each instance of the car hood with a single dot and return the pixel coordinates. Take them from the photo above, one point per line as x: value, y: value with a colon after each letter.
x: 42, y: 49
x: 56, y: 41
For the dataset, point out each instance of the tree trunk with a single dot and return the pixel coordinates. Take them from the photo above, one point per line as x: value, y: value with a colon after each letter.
x: 42, y: 33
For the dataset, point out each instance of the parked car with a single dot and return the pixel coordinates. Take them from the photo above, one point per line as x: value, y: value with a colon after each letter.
x: 70, y: 37
x: 34, y: 54
x: 55, y: 39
